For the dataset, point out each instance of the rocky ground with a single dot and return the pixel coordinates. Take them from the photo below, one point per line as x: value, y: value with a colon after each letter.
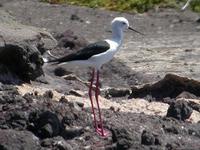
x: 149, y: 91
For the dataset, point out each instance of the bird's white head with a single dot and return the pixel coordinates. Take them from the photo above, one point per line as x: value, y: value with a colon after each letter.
x: 121, y: 23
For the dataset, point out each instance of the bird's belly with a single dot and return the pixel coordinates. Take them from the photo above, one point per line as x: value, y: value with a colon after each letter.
x: 100, y: 59
x: 95, y: 61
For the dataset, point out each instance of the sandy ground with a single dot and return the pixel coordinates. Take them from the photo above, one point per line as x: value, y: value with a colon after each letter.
x: 127, y: 106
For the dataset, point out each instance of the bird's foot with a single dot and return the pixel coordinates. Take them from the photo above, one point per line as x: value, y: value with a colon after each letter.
x: 103, y: 132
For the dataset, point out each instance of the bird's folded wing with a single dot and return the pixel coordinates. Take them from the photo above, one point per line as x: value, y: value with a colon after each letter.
x: 85, y: 53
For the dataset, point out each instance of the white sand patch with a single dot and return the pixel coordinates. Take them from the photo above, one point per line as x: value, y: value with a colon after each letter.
x: 131, y: 105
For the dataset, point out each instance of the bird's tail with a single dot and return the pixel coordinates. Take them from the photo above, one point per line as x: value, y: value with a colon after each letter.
x: 46, y: 60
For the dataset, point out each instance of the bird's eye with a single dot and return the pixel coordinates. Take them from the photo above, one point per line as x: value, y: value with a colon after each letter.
x: 123, y: 23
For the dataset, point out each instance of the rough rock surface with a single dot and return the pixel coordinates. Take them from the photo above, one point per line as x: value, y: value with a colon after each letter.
x: 69, y: 40
x: 170, y: 86
x: 10, y: 140
x: 179, y: 110
x: 39, y: 121
x: 13, y: 31
x: 46, y: 124
x: 20, y: 49
x: 22, y: 59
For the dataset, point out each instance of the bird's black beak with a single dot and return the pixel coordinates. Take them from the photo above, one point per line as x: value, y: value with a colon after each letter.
x: 135, y: 30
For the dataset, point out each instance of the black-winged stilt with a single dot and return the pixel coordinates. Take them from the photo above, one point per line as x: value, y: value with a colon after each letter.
x: 95, y: 55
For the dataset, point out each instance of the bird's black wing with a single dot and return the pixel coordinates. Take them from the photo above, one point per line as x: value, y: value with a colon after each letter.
x: 85, y: 53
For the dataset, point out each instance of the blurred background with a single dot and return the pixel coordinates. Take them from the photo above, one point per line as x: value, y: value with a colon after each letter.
x: 129, y: 5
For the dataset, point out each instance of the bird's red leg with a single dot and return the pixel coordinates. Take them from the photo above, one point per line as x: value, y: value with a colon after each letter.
x: 91, y: 100
x: 99, y: 130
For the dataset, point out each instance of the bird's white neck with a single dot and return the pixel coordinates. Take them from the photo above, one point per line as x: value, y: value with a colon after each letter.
x: 117, y: 35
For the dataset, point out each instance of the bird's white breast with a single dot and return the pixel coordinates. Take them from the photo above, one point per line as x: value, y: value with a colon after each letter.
x: 100, y: 59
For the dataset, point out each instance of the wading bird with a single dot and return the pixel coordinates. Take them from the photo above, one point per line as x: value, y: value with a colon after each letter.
x: 95, y: 55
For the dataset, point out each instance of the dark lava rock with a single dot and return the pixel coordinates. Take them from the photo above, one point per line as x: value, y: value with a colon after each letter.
x: 72, y: 132
x: 18, y: 140
x: 147, y: 138
x: 174, y: 129
x: 8, y: 77
x: 60, y: 71
x: 186, y: 95
x: 48, y: 94
x: 171, y: 86
x: 28, y: 97
x: 17, y: 119
x: 11, y: 97
x: 194, y: 105
x: 46, y: 124
x: 22, y: 59
x: 56, y: 143
x: 69, y: 118
x: 41, y: 115
x: 123, y: 138
x: 74, y: 17
x: 171, y: 146
x: 63, y: 99
x: 117, y: 92
x: 69, y: 40
x: 198, y: 20
x: 41, y: 47
x: 179, y: 110
x: 42, y: 79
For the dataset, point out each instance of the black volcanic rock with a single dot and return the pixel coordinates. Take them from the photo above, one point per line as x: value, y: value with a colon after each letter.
x: 170, y: 86
x: 22, y: 59
x: 198, y: 20
x: 8, y: 77
x: 46, y: 125
x: 194, y: 106
x: 117, y: 92
x: 123, y: 138
x: 60, y: 71
x: 18, y: 140
x: 20, y: 49
x: 147, y: 138
x: 69, y: 40
x: 179, y: 110
x: 59, y: 125
x: 56, y: 143
x: 48, y: 94
x: 17, y: 119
